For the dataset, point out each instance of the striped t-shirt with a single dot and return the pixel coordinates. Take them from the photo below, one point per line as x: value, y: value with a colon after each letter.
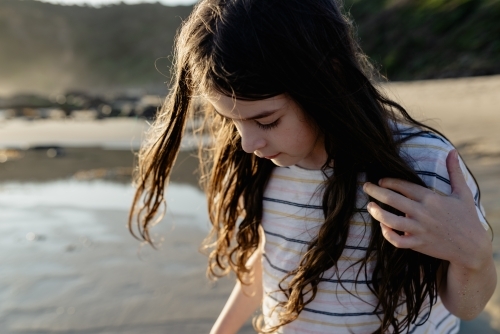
x: 292, y: 215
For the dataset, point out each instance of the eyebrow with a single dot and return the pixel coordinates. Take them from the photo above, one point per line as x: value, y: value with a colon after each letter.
x: 258, y: 116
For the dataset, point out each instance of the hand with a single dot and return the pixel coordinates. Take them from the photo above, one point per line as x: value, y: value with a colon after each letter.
x: 444, y: 227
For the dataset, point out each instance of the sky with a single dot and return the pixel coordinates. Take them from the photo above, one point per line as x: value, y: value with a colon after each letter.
x: 98, y: 3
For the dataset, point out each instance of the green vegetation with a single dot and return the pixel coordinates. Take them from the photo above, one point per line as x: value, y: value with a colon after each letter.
x: 425, y: 39
x: 49, y: 47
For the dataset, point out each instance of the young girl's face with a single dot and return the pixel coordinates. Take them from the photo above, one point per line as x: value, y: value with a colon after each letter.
x: 275, y: 128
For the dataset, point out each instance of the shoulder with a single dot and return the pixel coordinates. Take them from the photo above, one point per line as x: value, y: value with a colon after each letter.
x: 415, y: 140
x: 421, y: 148
x: 426, y: 152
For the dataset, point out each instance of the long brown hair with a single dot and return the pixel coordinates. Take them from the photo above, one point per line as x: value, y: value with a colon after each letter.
x: 255, y: 49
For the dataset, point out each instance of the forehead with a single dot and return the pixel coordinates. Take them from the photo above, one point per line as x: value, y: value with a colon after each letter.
x: 234, y: 108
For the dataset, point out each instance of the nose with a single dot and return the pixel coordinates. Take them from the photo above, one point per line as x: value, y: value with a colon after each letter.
x: 251, y: 139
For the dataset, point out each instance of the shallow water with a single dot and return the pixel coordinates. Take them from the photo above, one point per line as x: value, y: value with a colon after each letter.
x: 17, y: 198
x: 66, y: 248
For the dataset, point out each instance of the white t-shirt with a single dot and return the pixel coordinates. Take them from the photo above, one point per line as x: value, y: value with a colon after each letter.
x: 292, y: 215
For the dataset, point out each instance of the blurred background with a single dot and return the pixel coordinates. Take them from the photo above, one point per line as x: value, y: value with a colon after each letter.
x: 80, y: 82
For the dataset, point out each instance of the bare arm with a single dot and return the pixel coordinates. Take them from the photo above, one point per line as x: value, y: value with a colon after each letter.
x: 444, y: 227
x: 243, y: 301
x: 466, y: 288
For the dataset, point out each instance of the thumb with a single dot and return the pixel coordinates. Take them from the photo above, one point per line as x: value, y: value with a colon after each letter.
x: 457, y: 179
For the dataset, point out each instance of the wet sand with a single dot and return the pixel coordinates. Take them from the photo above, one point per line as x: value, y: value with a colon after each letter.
x: 80, y: 271
x: 69, y: 264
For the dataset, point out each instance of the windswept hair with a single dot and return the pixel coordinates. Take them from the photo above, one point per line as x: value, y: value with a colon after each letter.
x: 256, y: 49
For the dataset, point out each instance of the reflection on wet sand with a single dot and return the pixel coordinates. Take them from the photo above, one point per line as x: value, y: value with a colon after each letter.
x: 70, y: 265
x: 68, y: 257
x: 85, y: 163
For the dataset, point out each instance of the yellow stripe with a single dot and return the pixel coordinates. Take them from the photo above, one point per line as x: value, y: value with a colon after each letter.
x: 310, y: 219
x: 271, y: 275
x: 360, y: 224
x: 288, y: 178
x: 286, y: 249
x: 437, y: 191
x: 288, y: 215
x: 294, y: 251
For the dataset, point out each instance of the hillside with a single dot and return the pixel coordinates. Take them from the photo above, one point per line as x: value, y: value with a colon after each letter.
x: 427, y: 39
x: 45, y: 47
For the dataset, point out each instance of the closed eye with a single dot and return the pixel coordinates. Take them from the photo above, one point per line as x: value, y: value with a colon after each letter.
x: 268, y: 126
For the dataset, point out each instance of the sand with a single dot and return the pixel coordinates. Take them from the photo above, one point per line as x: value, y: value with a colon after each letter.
x: 69, y: 265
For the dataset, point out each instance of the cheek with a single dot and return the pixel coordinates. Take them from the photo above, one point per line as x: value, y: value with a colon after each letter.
x: 306, y: 135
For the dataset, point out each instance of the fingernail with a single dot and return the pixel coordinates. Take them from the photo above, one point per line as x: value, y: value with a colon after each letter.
x: 364, y: 186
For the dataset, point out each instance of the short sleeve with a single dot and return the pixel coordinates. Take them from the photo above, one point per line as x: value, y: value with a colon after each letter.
x: 427, y: 152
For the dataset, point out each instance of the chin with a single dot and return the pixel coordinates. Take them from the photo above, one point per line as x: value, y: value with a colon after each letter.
x: 282, y: 163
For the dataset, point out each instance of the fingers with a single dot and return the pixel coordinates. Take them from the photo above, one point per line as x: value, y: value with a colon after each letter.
x: 457, y: 180
x: 391, y: 220
x: 391, y: 198
x: 389, y: 223
x: 399, y: 241
x: 407, y: 189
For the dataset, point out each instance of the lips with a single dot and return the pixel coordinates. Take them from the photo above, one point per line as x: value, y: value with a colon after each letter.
x: 271, y: 156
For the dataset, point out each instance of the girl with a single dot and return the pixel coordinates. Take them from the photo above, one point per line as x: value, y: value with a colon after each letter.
x: 338, y: 212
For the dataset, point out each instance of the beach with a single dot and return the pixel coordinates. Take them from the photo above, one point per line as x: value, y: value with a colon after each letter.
x: 70, y: 265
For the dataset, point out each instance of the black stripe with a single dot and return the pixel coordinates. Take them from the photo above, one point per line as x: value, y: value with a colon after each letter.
x: 286, y: 238
x: 437, y: 176
x: 330, y: 313
x: 329, y: 280
x: 299, y: 205
x: 306, y: 242
x: 423, y: 134
x: 318, y: 207
x: 273, y: 298
x: 340, y: 314
x: 273, y: 266
x: 442, y: 320
x: 361, y: 210
x: 420, y: 323
x: 356, y: 247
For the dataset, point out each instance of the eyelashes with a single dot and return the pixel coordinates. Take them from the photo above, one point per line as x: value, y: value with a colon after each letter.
x: 268, y: 126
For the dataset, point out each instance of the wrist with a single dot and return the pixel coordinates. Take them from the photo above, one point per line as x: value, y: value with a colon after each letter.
x: 475, y: 261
